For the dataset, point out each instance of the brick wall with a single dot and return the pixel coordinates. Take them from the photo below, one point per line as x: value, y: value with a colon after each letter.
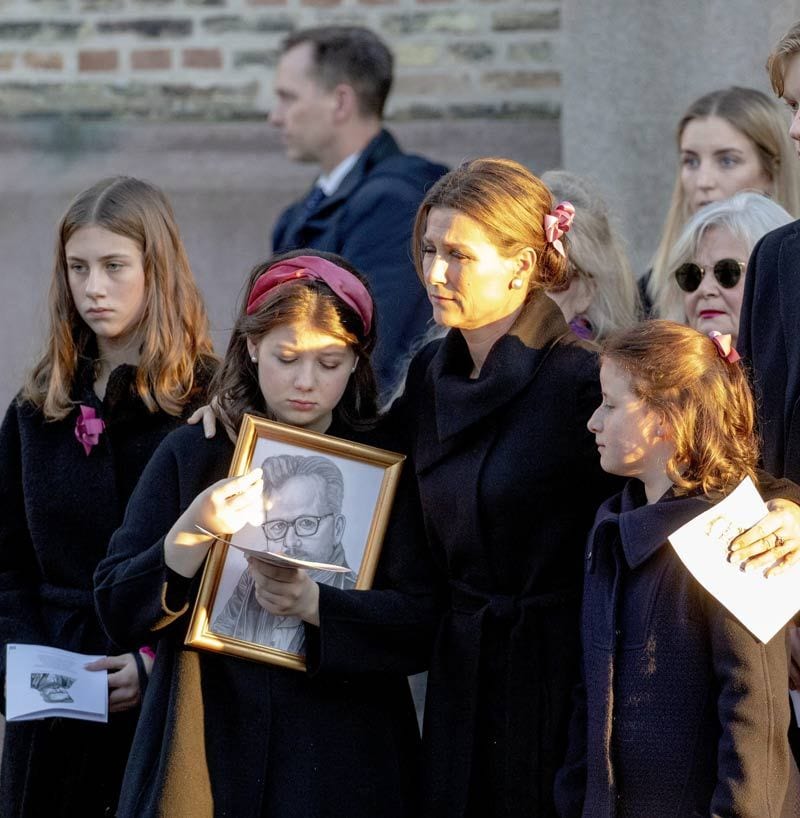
x: 214, y: 59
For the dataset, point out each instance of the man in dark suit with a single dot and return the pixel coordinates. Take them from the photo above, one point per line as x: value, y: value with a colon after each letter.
x: 769, y: 332
x: 331, y: 85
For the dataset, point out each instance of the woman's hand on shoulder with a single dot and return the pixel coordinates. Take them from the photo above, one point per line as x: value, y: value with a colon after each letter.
x: 285, y: 591
x: 205, y: 415
x: 773, y: 543
x: 209, y: 416
x: 223, y: 508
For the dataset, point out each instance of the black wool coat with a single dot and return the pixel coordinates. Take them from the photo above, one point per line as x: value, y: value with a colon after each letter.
x: 368, y: 220
x: 509, y: 482
x: 682, y: 712
x: 224, y: 736
x: 769, y: 339
x: 60, y: 508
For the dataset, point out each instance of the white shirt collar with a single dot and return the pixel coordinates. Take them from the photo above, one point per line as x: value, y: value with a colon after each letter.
x: 329, y: 182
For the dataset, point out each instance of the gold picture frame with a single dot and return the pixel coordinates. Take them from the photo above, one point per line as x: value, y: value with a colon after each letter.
x: 226, y: 618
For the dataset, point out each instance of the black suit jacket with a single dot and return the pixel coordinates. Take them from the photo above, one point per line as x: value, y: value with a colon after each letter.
x: 769, y: 338
x: 509, y: 481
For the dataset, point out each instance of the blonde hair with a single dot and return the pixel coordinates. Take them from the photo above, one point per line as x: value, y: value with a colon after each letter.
x: 760, y: 119
x: 785, y: 48
x: 509, y: 203
x: 705, y: 400
x: 597, y: 254
x: 174, y: 325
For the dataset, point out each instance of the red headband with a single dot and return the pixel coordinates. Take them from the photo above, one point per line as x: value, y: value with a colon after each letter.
x: 342, y: 282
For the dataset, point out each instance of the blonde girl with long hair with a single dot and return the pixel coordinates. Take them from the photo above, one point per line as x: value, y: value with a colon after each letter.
x: 127, y: 357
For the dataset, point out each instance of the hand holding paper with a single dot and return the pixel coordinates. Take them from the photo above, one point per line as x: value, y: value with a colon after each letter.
x: 773, y: 544
x: 278, y: 558
x: 762, y: 605
x: 42, y: 681
x: 123, y: 681
x: 227, y: 505
x: 285, y: 591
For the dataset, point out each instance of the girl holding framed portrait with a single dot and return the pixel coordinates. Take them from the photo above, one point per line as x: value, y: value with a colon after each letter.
x: 221, y: 735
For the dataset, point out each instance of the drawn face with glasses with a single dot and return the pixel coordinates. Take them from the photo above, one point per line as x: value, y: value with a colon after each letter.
x: 713, y: 284
x: 298, y: 522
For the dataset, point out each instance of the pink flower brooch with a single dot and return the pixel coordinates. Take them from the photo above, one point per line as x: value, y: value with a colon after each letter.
x: 88, y: 428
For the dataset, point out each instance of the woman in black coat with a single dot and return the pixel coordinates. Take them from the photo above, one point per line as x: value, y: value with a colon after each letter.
x: 128, y: 356
x: 220, y: 735
x: 494, y: 421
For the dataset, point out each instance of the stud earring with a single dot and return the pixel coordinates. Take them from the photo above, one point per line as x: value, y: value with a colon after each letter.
x: 516, y: 283
x: 254, y: 359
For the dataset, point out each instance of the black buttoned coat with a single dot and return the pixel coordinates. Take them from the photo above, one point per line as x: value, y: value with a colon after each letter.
x: 509, y: 482
x: 683, y: 712
x: 60, y: 507
x: 224, y: 736
x: 769, y: 339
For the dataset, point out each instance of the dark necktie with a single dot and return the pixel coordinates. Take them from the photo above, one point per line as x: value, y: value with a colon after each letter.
x: 313, y: 199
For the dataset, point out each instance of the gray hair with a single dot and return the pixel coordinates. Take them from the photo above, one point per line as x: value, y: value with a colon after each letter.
x: 747, y: 215
x: 596, y: 250
x: 279, y: 468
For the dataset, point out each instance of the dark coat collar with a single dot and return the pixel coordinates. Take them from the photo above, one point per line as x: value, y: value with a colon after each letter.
x: 121, y: 400
x: 381, y: 147
x: 510, y: 366
x: 644, y: 528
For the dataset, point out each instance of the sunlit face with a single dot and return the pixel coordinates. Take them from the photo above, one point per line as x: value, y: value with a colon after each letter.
x: 717, y: 160
x: 303, y: 110
x: 791, y: 96
x: 301, y: 502
x: 467, y: 279
x: 629, y: 434
x: 711, y: 306
x: 303, y: 373
x: 105, y: 272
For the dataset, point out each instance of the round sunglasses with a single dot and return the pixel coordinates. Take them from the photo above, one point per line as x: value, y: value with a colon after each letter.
x: 727, y: 271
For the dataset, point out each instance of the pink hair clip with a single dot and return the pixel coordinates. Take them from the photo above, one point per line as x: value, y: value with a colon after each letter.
x: 724, y: 345
x: 557, y: 223
x: 88, y: 428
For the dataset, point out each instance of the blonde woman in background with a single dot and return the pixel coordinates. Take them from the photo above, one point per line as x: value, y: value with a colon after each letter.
x: 601, y: 296
x: 729, y: 140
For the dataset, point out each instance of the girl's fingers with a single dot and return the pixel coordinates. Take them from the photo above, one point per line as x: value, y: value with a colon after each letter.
x: 235, y: 502
x: 110, y: 663
x: 239, y: 485
x: 279, y: 573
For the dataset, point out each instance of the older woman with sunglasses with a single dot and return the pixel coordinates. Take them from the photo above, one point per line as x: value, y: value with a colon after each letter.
x: 710, y: 258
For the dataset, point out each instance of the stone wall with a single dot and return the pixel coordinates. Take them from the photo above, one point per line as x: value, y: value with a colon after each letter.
x: 214, y: 59
x: 630, y: 72
x: 227, y: 182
